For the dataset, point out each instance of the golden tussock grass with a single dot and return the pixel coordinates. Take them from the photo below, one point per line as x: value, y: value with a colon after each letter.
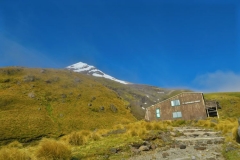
x: 227, y: 126
x: 77, y: 138
x: 13, y: 154
x: 51, y: 150
x: 96, y: 136
x: 15, y: 144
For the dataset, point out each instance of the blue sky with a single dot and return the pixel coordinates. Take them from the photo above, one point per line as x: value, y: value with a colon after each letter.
x: 171, y: 43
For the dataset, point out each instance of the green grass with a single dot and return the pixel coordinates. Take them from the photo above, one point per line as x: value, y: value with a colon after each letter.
x: 230, y: 102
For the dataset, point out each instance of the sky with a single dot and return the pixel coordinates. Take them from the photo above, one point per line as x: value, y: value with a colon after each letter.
x: 193, y: 44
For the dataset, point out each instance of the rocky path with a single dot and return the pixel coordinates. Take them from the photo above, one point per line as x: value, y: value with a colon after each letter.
x: 186, y: 144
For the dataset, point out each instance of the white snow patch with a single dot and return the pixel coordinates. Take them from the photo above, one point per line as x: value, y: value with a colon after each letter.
x: 81, y: 67
x: 161, y: 92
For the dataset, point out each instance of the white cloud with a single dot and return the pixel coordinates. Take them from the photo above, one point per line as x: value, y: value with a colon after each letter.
x: 218, y: 81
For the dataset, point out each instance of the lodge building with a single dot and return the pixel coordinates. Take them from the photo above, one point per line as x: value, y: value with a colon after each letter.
x: 186, y: 105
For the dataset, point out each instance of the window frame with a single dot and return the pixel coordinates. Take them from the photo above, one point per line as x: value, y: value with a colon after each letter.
x: 175, y: 103
x: 177, y: 114
x: 158, y: 113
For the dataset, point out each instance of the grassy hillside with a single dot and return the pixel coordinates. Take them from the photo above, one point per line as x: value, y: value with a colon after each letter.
x: 229, y: 101
x: 139, y: 96
x: 37, y: 103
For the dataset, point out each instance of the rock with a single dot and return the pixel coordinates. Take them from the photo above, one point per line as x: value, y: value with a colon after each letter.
x: 206, y: 134
x: 42, y: 71
x: 230, y: 148
x: 146, y: 143
x: 165, y: 137
x: 165, y: 154
x: 29, y: 78
x: 89, y: 104
x: 193, y: 158
x: 153, y: 146
x: 113, y: 150
x: 209, y: 142
x: 31, y: 95
x: 64, y: 96
x: 143, y: 148
x: 134, y: 150
x: 113, y: 108
x: 101, y: 108
x: 173, y: 134
x: 195, y: 135
x: 136, y: 145
x: 199, y: 147
x: 182, y: 146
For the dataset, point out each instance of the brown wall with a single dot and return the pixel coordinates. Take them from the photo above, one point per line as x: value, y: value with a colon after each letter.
x: 191, y: 106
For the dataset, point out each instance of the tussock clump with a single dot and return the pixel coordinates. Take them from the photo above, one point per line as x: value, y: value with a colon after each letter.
x: 157, y: 126
x: 148, y: 126
x: 178, y: 123
x: 15, y: 144
x: 51, y: 149
x: 77, y: 138
x: 95, y: 136
x: 132, y: 133
x: 85, y: 132
x: 13, y: 154
x: 118, y: 126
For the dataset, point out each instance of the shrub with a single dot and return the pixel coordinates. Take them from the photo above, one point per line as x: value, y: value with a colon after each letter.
x: 51, y: 149
x: 13, y: 154
x: 77, y: 138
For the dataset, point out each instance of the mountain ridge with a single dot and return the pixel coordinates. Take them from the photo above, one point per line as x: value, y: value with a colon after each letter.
x: 92, y: 70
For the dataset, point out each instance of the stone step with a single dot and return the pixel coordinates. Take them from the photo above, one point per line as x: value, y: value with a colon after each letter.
x: 199, y: 138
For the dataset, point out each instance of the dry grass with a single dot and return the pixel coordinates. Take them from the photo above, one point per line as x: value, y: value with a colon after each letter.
x: 13, y: 154
x: 60, y: 100
x: 15, y: 144
x: 77, y: 138
x: 53, y: 150
x: 227, y: 126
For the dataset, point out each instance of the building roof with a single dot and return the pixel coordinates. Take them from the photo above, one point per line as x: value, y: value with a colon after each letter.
x: 174, y: 96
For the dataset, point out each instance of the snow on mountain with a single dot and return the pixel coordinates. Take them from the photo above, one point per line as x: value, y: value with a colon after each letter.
x: 91, y: 70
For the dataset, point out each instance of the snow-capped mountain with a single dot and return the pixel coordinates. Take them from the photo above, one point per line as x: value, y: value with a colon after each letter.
x: 91, y: 70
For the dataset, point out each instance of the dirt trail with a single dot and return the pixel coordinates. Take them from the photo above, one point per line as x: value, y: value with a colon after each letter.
x: 193, y: 144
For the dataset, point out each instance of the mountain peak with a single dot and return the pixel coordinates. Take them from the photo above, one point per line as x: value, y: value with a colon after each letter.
x: 91, y: 70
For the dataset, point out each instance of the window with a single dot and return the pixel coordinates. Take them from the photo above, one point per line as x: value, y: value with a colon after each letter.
x: 175, y: 103
x: 158, y: 113
x: 177, y: 114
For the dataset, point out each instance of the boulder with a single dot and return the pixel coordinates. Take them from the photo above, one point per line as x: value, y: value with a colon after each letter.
x: 182, y: 146
x: 113, y: 108
x: 165, y: 154
x: 143, y: 148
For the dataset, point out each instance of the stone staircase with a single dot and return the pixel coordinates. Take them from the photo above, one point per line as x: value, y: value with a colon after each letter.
x: 189, y: 143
